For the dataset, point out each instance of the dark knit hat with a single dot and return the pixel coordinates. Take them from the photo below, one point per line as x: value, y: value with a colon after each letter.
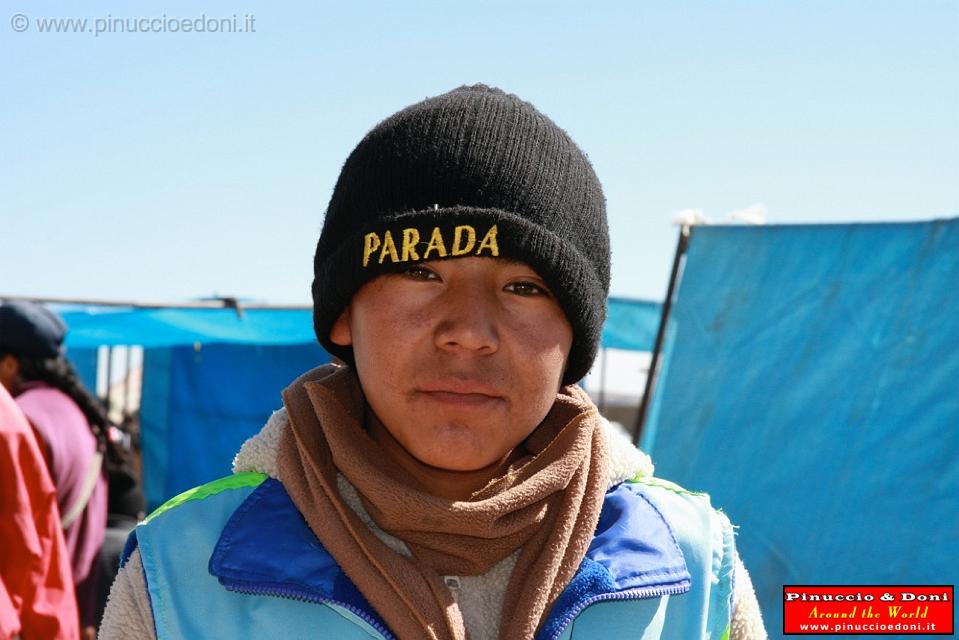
x: 472, y: 172
x: 30, y: 329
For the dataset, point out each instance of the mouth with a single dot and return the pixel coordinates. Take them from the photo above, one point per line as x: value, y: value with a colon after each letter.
x: 461, y: 393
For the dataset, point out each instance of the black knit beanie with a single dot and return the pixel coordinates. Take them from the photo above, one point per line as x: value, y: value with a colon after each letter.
x: 472, y: 172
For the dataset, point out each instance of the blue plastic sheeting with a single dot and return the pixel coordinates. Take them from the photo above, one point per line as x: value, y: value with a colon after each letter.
x: 152, y: 328
x: 810, y: 385
x: 631, y: 325
x: 199, y: 405
x: 84, y: 362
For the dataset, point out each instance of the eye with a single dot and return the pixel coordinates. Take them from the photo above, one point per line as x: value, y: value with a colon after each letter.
x: 525, y: 288
x: 419, y: 272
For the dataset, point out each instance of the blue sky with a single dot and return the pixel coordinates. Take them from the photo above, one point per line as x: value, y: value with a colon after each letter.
x: 167, y: 166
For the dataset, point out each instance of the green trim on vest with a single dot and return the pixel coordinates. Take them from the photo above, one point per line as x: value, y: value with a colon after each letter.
x: 236, y: 481
x: 726, y: 632
x: 652, y: 481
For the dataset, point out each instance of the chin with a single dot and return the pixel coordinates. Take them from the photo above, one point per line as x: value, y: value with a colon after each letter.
x: 457, y: 463
x: 464, y: 460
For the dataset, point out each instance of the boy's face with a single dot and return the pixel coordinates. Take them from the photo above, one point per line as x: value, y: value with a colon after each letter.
x: 460, y: 359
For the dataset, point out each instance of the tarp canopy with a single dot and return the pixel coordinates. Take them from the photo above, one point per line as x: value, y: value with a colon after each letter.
x: 631, y: 325
x: 810, y: 384
x: 200, y: 404
x: 170, y: 327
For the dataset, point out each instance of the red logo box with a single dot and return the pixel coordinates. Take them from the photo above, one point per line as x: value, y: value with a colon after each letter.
x: 900, y: 610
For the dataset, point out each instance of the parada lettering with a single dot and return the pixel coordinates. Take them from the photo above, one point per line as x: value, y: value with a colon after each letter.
x: 460, y: 241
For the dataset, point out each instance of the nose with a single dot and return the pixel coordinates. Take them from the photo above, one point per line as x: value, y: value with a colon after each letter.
x: 467, y: 320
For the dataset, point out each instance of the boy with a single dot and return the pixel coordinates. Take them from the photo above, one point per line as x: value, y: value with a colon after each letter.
x: 450, y: 481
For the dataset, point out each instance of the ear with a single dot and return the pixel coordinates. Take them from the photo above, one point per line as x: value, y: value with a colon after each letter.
x: 342, y: 332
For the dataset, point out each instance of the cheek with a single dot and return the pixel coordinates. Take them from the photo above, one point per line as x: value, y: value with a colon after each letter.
x: 385, y: 318
x: 545, y: 339
x: 386, y: 342
x: 542, y: 352
x: 400, y: 312
x: 411, y: 321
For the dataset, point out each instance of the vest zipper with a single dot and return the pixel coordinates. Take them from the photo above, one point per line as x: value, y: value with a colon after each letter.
x: 634, y: 594
x: 304, y: 596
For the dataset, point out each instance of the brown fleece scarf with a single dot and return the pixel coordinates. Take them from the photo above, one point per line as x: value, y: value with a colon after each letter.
x: 546, y: 504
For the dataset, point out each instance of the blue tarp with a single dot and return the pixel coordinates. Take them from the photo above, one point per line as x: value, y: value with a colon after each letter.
x: 96, y: 326
x: 631, y: 325
x: 810, y: 384
x: 200, y: 404
x: 84, y: 361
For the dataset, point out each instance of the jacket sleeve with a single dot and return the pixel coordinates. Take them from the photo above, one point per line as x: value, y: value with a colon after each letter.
x: 128, y: 614
x: 747, y: 623
x: 33, y: 555
x: 9, y: 620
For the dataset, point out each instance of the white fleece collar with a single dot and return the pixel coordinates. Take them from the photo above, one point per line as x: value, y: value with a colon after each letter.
x: 259, y: 452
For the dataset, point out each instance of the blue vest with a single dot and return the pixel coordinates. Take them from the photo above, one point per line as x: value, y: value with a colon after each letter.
x: 235, y: 559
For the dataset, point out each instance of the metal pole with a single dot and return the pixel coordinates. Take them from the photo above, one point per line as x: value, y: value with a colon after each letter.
x: 215, y: 303
x: 681, y: 245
